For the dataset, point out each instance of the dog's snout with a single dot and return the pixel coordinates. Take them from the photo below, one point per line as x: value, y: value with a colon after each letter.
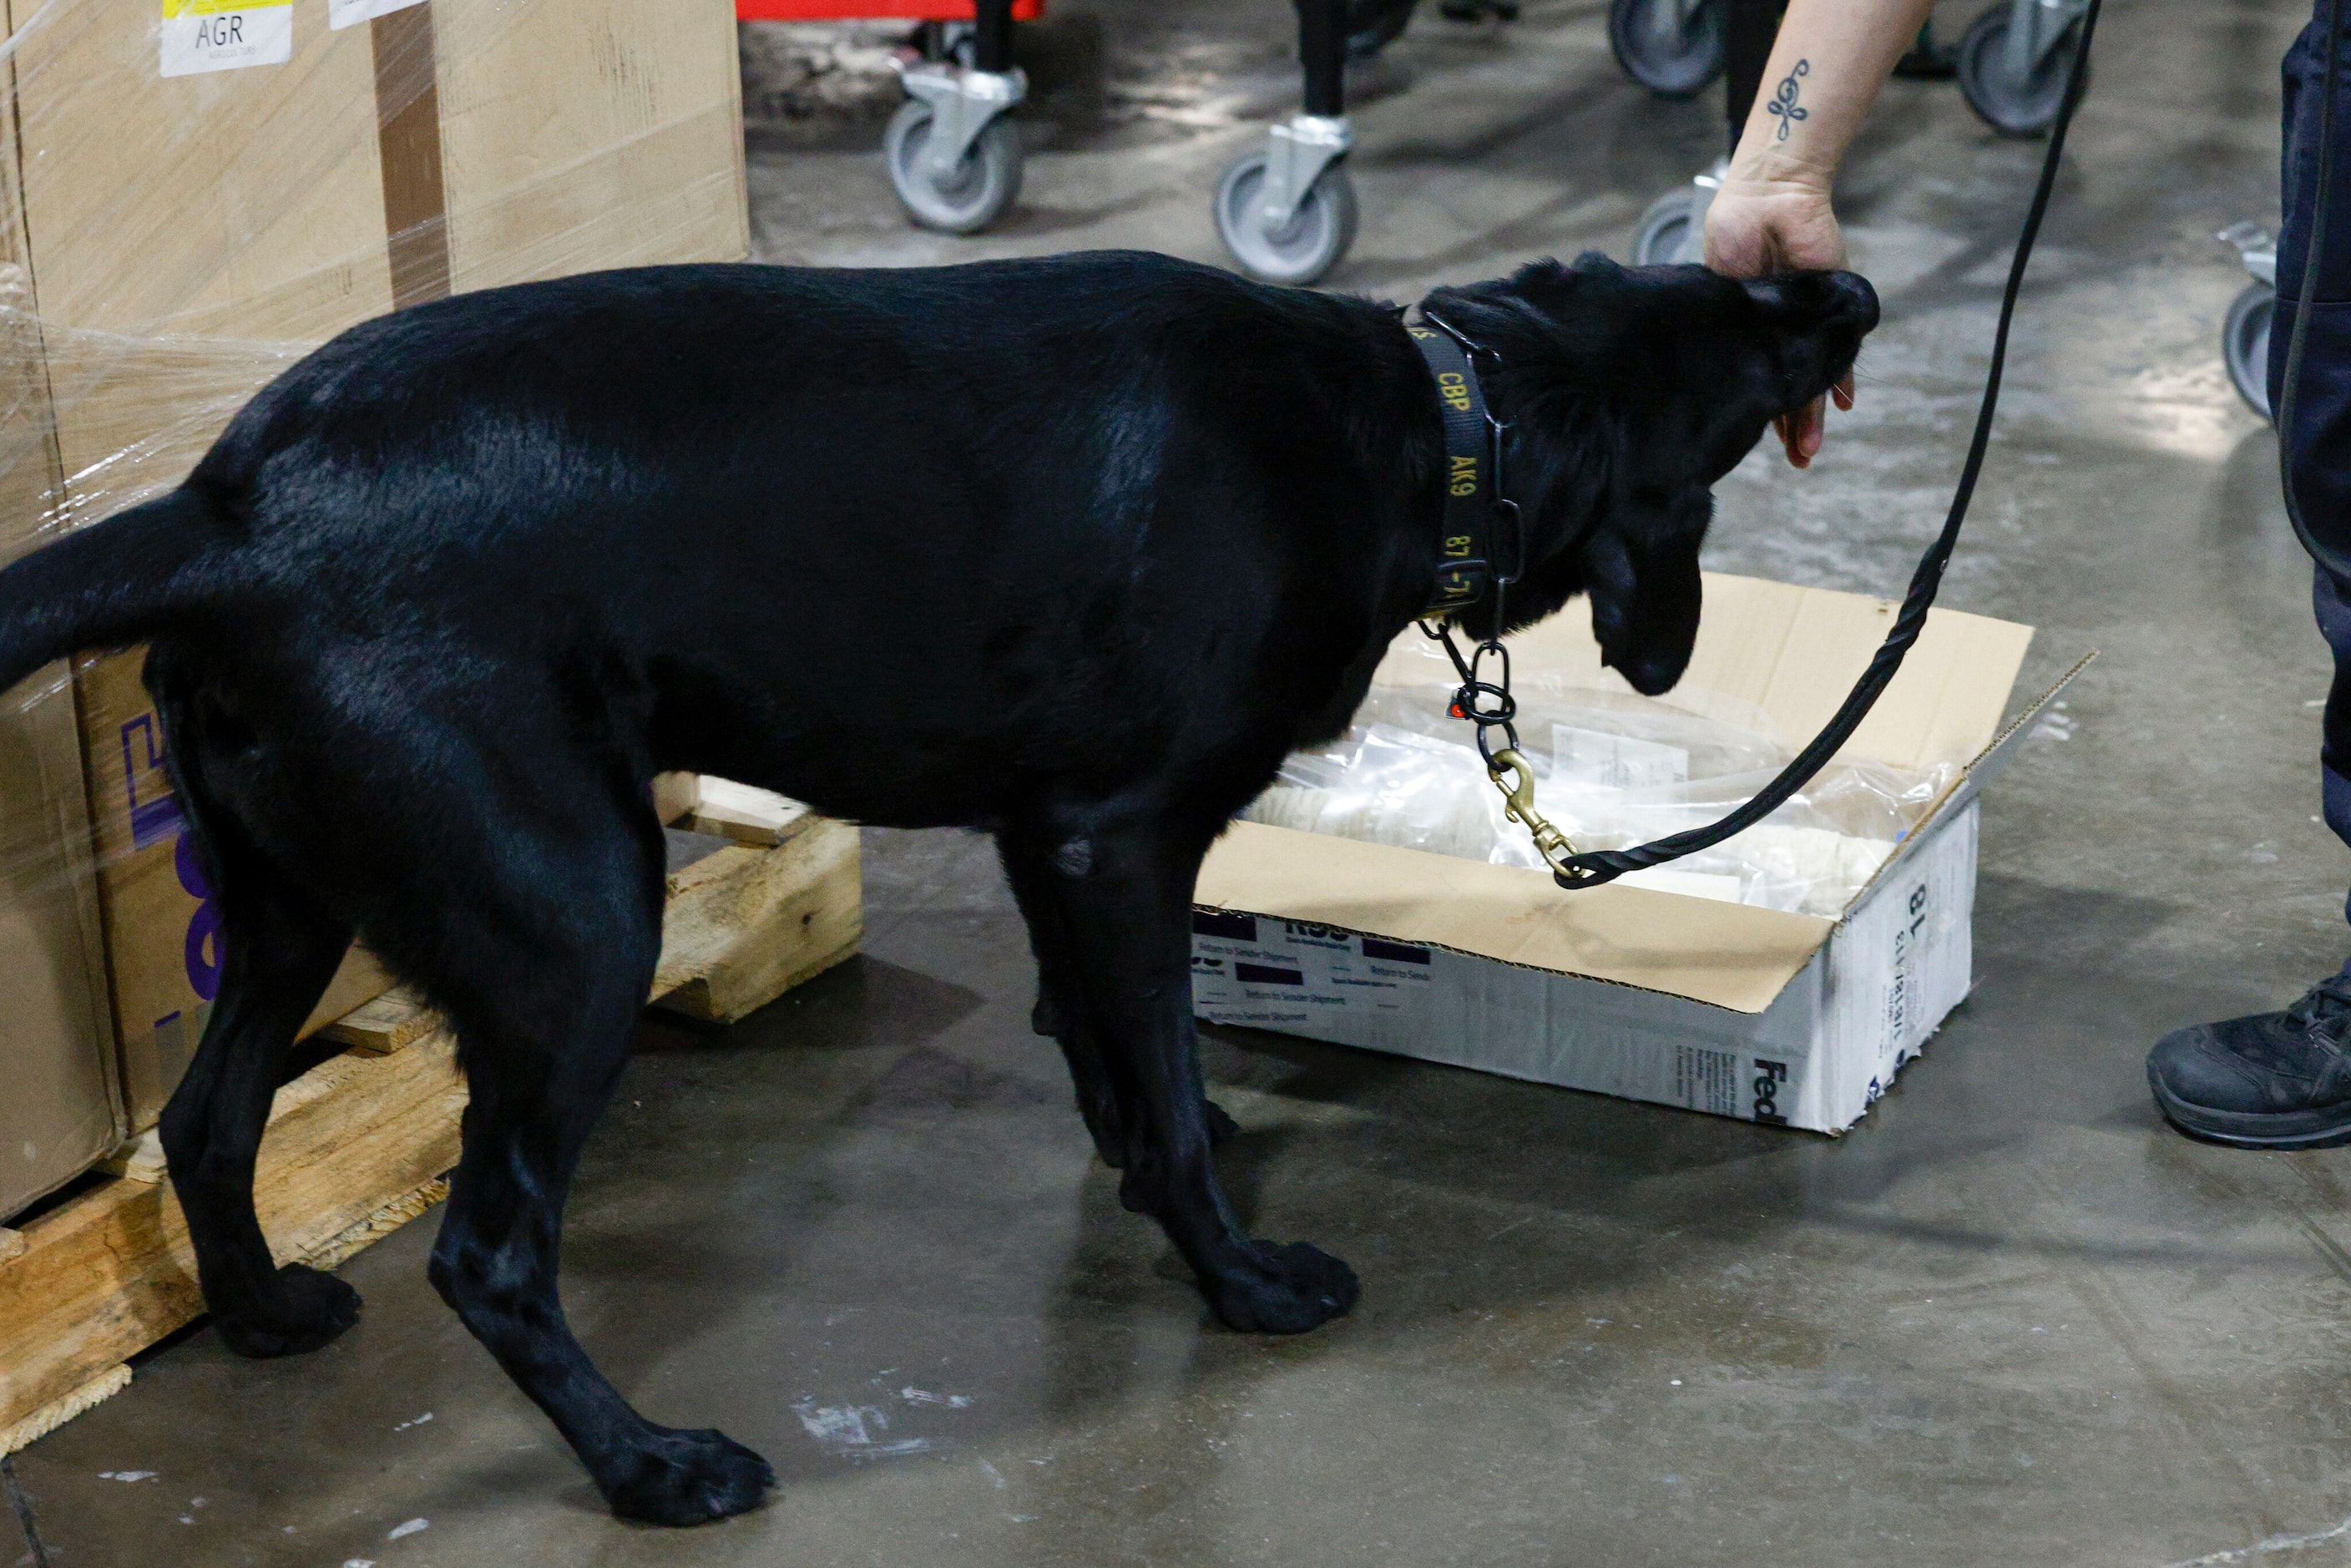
x: 1855, y: 302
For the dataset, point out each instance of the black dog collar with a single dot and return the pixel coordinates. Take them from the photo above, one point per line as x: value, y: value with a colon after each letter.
x: 1468, y: 572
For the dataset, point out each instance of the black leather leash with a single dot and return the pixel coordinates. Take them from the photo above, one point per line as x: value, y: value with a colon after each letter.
x: 1489, y: 704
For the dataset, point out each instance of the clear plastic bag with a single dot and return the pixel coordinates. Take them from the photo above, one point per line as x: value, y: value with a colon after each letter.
x: 1611, y: 770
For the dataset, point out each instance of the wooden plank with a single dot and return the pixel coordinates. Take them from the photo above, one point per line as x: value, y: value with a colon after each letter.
x: 743, y: 926
x: 139, y: 1159
x: 760, y: 818
x: 359, y: 980
x: 58, y: 1411
x: 107, y: 1274
x: 675, y: 795
x: 408, y: 1206
x: 393, y: 1021
x: 12, y: 1244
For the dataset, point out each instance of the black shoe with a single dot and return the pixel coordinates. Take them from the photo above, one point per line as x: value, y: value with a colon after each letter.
x: 2272, y: 1081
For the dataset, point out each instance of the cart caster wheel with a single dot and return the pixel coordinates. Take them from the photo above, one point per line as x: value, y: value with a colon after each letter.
x: 1673, y: 48
x: 1301, y: 250
x: 1673, y: 231
x: 2245, y: 344
x: 2024, y: 108
x: 984, y: 183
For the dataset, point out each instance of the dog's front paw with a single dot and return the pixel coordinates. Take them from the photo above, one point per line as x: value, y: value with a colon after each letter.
x: 303, y: 1310
x: 688, y: 1477
x: 1283, y: 1290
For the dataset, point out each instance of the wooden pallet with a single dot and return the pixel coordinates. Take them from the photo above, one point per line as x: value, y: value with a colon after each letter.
x: 762, y: 895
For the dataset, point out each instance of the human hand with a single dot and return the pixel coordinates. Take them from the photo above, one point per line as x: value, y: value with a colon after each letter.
x: 1754, y: 227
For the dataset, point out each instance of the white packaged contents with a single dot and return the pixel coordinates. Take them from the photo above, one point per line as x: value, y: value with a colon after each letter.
x: 1377, y: 896
x: 1621, y: 769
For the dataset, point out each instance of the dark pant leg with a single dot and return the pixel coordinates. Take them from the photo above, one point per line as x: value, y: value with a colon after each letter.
x: 2316, y: 450
x: 1748, y: 27
x: 2331, y: 596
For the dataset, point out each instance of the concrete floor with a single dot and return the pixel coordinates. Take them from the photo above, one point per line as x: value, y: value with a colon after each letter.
x: 2010, y: 1319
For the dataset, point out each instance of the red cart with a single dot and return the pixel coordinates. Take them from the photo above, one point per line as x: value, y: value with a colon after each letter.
x: 953, y: 151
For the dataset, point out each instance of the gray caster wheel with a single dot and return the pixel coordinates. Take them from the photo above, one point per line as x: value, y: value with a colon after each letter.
x: 2023, y: 108
x: 1301, y: 250
x: 1673, y: 48
x: 983, y: 184
x: 2245, y: 344
x: 1673, y: 230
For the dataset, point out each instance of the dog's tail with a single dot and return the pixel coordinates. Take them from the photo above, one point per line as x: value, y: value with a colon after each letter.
x: 113, y: 583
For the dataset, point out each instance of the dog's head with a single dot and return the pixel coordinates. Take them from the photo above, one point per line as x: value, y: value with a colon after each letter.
x: 1630, y: 391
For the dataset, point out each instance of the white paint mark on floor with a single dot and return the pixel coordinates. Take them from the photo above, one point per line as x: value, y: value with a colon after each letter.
x: 420, y: 1421
x: 2267, y: 1546
x: 125, y: 1474
x: 411, y: 1528
x: 853, y: 1432
x: 2053, y: 727
x: 925, y: 1396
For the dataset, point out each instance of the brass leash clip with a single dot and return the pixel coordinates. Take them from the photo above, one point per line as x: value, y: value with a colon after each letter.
x: 1519, y: 805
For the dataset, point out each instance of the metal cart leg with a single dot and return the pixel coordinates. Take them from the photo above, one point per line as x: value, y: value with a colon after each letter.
x: 1673, y: 230
x: 1288, y: 213
x: 1322, y: 52
x: 992, y: 36
x: 954, y: 157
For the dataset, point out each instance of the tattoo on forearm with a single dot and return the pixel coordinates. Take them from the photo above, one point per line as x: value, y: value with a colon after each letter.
x: 1783, y: 99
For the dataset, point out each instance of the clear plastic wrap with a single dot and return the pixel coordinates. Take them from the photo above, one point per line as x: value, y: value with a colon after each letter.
x: 1612, y: 770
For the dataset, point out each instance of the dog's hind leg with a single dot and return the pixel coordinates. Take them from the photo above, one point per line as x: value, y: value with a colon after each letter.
x: 1124, y: 902
x: 1061, y: 1015
x: 1107, y: 1105
x: 277, y: 951
x: 545, y: 972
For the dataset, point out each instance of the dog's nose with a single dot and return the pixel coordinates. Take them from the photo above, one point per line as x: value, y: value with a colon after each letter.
x: 1855, y: 301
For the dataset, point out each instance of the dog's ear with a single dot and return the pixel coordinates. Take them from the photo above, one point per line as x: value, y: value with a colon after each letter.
x: 1541, y: 282
x: 1641, y: 572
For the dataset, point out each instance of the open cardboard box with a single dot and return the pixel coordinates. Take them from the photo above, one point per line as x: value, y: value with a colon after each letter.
x: 1740, y: 1011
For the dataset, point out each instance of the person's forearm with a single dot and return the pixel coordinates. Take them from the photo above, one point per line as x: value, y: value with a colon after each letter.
x: 1827, y: 65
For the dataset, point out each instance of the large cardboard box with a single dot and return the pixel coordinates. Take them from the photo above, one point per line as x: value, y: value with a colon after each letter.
x: 1795, y: 1020
x: 58, y: 1106
x: 58, y: 1109
x: 201, y: 213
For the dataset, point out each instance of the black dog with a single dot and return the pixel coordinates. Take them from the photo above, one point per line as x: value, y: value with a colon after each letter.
x: 1072, y: 551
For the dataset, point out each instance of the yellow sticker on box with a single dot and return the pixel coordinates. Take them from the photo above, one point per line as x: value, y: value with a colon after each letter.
x: 226, y: 34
